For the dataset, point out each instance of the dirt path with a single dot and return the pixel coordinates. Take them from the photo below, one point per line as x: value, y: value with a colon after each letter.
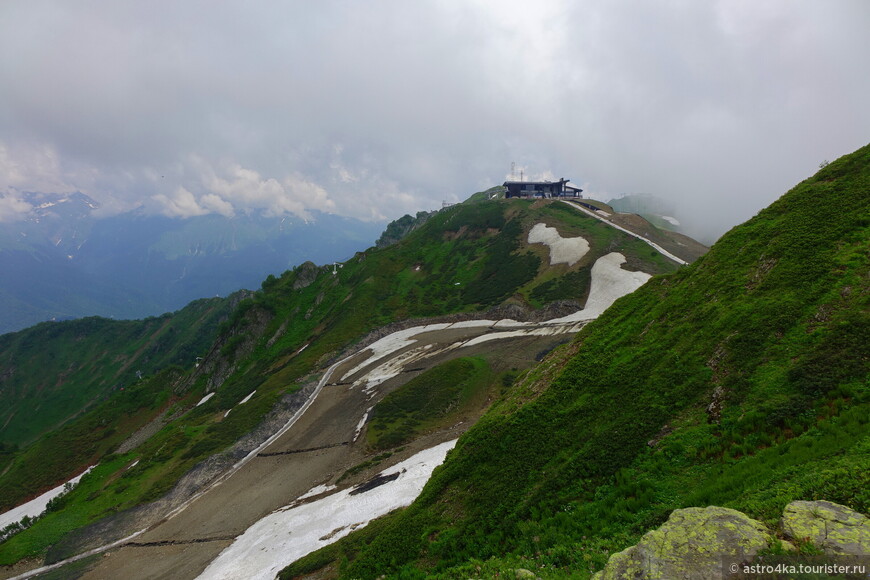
x: 652, y: 244
x: 316, y: 450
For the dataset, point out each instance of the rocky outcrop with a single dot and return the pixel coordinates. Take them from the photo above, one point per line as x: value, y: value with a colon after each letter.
x: 691, y: 544
x: 306, y: 274
x: 695, y: 542
x: 834, y: 528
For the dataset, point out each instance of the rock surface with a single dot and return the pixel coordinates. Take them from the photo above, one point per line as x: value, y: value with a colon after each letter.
x: 694, y: 542
x: 691, y: 544
x: 832, y: 527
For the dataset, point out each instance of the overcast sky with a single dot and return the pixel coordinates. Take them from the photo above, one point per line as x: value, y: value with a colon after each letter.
x: 374, y: 109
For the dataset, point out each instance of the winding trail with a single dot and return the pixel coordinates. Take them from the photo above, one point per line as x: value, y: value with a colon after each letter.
x: 654, y: 245
x: 319, y: 442
x: 313, y: 448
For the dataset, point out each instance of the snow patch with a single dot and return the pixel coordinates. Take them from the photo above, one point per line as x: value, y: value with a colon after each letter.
x: 242, y: 402
x: 391, y: 343
x: 609, y: 282
x: 246, y: 399
x: 36, y: 507
x: 472, y: 324
x: 535, y: 331
x: 286, y: 535
x: 361, y: 423
x: 316, y: 490
x: 562, y: 250
x: 205, y: 398
x: 508, y: 323
x: 394, y: 366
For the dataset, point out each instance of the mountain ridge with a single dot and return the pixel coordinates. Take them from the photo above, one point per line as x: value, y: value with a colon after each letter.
x: 740, y: 380
x: 70, y: 264
x: 464, y: 259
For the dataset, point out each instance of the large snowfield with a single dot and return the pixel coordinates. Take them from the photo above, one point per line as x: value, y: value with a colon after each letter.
x: 290, y: 533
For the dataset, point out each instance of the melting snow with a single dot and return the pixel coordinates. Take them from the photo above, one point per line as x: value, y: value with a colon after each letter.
x: 361, y: 423
x: 471, y: 323
x: 537, y: 331
x: 394, y: 366
x: 288, y: 534
x: 242, y: 402
x: 35, y: 507
x: 609, y: 282
x: 508, y: 323
x: 317, y: 490
x: 205, y: 398
x: 393, y: 342
x: 562, y: 250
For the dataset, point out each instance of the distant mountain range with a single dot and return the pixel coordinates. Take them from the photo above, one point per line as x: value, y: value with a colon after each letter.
x: 63, y: 262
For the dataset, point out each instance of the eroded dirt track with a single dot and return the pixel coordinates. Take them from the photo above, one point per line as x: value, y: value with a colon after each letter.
x: 316, y: 450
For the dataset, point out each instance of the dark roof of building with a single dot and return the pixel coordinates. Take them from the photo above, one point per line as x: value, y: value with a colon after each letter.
x: 536, y: 182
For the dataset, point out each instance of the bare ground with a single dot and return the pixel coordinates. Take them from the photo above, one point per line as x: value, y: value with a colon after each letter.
x: 318, y: 449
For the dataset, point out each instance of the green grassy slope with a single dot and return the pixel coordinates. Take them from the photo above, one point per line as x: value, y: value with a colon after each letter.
x: 54, y: 371
x: 741, y: 380
x: 465, y: 258
x: 427, y: 400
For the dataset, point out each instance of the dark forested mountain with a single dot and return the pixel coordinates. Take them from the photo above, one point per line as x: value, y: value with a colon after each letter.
x: 64, y: 263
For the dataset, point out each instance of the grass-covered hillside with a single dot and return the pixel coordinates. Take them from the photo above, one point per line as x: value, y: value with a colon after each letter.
x: 741, y: 381
x: 97, y: 357
x: 466, y: 258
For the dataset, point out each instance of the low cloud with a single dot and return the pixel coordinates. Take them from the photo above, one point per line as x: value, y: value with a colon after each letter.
x: 12, y: 207
x: 231, y: 188
x: 181, y: 203
x: 28, y: 167
x: 348, y: 107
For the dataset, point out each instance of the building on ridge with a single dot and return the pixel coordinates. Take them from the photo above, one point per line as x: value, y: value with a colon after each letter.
x: 542, y: 189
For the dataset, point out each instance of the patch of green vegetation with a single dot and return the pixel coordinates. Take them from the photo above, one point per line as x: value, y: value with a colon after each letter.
x: 54, y: 371
x: 495, y: 192
x: 504, y: 269
x: 572, y: 286
x: 82, y: 442
x: 78, y: 510
x: 360, y: 467
x: 567, y: 474
x: 425, y: 401
x: 73, y: 570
